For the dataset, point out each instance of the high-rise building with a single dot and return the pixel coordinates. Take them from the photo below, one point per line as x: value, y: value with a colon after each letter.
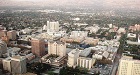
x: 138, y: 38
x: 72, y: 58
x: 18, y: 64
x: 5, y: 39
x: 12, y: 35
x: 3, y: 33
x: 85, y: 62
x: 76, y: 34
x: 137, y: 26
x: 45, y: 27
x: 38, y: 47
x: 52, y: 26
x: 3, y: 47
x: 7, y: 64
x: 129, y: 66
x: 57, y: 47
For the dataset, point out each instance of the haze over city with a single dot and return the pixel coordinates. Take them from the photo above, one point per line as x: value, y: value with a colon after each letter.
x: 129, y: 4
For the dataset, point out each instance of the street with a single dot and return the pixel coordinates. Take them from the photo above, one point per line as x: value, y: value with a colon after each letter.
x: 117, y: 57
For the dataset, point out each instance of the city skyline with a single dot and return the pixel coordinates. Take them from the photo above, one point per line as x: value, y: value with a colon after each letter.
x: 69, y: 37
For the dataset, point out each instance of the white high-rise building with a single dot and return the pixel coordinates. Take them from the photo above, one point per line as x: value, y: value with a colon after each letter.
x: 52, y: 26
x: 45, y: 27
x: 138, y: 38
x: 129, y: 66
x: 57, y: 47
x: 72, y: 58
x: 85, y: 62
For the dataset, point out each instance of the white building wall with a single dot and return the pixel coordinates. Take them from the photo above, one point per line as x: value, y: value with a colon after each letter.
x: 139, y: 39
x: 72, y: 58
x: 7, y: 65
x: 52, y: 26
x: 85, y: 62
x: 58, y: 49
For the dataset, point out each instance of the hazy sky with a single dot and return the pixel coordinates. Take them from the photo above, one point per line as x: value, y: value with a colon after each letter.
x: 103, y: 3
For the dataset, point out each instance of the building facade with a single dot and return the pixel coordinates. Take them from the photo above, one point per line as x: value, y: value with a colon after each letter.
x: 138, y: 38
x: 81, y: 34
x: 72, y: 58
x: 85, y: 62
x: 38, y: 47
x: 7, y: 64
x: 52, y: 26
x: 12, y: 35
x: 129, y: 66
x: 57, y: 48
x: 3, y: 33
x: 3, y: 47
x: 18, y: 65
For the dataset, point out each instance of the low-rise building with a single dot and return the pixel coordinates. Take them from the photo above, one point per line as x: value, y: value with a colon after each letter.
x: 97, y: 55
x: 92, y: 41
x: 76, y: 34
x: 121, y: 30
x: 131, y: 35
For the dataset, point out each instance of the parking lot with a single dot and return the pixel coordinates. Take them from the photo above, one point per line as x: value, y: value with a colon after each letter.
x: 102, y: 69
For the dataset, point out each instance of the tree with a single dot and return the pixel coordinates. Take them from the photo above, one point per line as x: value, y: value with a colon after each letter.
x: 51, y: 73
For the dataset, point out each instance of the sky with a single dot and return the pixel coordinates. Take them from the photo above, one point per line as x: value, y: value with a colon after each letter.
x: 99, y: 3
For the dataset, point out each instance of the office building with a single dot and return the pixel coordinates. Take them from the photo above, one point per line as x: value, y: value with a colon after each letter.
x: 7, y: 64
x: 137, y: 26
x: 57, y: 48
x: 5, y: 39
x: 138, y: 38
x: 85, y: 62
x: 44, y: 27
x: 72, y: 58
x: 38, y: 47
x: 3, y: 33
x: 129, y: 66
x: 18, y: 65
x: 12, y: 35
x: 52, y: 26
x: 131, y: 35
x: 3, y: 47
